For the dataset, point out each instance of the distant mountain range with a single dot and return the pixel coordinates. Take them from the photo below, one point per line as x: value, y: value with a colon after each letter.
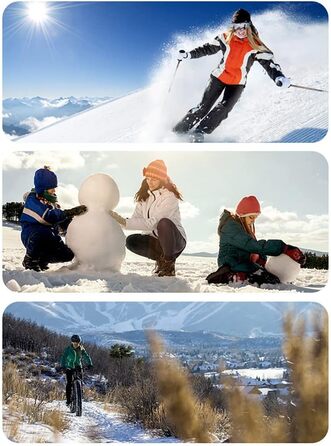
x: 25, y: 115
x: 215, y: 254
x: 247, y: 319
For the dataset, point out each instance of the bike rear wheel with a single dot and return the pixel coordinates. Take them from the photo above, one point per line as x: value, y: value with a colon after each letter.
x: 78, y: 397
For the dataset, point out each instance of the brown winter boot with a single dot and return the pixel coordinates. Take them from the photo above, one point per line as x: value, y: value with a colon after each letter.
x: 167, y: 268
x: 157, y: 266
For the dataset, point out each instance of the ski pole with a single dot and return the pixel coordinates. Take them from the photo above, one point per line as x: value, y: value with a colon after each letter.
x: 173, y: 77
x: 308, y: 88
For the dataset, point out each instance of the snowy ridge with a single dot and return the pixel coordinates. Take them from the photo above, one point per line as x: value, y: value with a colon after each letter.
x: 226, y: 318
x: 265, y: 113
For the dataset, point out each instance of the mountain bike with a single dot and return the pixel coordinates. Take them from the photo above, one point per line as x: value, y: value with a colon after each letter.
x: 76, y: 393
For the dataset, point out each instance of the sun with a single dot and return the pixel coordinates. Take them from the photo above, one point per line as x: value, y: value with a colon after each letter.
x: 37, y: 12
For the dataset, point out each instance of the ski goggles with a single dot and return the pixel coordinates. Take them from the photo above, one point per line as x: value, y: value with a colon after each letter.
x: 237, y: 26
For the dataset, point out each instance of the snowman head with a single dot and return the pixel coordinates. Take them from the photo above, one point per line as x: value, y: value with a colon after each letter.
x: 99, y: 191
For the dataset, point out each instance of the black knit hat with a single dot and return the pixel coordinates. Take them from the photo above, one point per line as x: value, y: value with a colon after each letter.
x: 241, y: 16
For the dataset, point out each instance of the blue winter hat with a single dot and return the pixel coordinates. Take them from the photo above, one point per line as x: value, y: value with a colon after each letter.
x: 44, y: 179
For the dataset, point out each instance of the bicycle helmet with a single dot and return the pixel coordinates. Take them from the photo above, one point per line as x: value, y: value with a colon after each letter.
x: 75, y: 338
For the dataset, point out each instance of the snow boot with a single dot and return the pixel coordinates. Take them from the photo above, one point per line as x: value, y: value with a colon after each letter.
x: 222, y: 275
x: 43, y: 265
x: 262, y: 276
x: 30, y: 263
x: 167, y: 268
x: 157, y: 266
x: 197, y: 136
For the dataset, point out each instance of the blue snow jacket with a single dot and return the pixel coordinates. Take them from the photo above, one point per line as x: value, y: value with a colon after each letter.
x: 37, y: 216
x: 236, y: 246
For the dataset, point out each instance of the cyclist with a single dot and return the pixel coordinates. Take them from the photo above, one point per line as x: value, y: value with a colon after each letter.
x: 72, y: 359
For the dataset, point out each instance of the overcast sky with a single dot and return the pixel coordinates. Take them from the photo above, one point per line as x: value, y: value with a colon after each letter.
x: 291, y: 186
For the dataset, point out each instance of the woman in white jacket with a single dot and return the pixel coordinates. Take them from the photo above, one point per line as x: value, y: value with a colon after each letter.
x: 157, y: 214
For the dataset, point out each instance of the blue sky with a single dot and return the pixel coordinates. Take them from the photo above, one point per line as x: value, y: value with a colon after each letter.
x: 107, y: 48
x: 291, y: 186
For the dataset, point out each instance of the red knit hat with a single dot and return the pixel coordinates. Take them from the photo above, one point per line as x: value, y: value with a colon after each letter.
x: 248, y: 206
x: 156, y: 169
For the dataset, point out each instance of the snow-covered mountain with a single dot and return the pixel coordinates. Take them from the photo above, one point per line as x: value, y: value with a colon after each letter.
x: 265, y: 113
x: 240, y: 318
x: 24, y: 115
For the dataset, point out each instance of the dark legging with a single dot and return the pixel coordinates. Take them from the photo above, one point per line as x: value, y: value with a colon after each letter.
x: 170, y: 242
x: 210, y: 119
x: 69, y: 375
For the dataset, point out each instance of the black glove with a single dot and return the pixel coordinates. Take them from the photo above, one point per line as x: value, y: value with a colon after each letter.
x: 78, y: 210
x: 90, y: 367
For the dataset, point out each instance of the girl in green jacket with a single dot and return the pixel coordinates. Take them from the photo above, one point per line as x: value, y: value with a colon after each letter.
x: 72, y: 360
x: 241, y: 256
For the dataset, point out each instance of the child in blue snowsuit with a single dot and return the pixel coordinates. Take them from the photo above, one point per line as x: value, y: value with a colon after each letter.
x: 41, y: 221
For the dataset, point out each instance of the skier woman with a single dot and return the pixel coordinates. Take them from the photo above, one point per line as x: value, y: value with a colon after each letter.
x: 241, y: 46
x: 242, y: 257
x: 157, y: 213
x: 72, y: 359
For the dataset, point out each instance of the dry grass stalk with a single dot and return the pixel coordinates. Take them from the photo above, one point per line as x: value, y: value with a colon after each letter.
x: 307, y: 416
x: 12, y: 382
x: 179, y: 403
x: 308, y: 357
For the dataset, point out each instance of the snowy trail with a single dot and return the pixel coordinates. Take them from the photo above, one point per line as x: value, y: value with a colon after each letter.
x: 135, y: 276
x: 97, y: 424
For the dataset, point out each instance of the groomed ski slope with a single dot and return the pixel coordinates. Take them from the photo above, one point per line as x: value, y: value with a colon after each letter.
x: 135, y: 276
x: 265, y: 112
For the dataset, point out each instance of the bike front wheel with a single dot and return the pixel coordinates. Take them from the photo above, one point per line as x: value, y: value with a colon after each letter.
x: 78, y: 398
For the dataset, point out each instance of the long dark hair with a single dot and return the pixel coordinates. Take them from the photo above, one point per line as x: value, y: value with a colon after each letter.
x: 142, y: 193
x: 249, y: 229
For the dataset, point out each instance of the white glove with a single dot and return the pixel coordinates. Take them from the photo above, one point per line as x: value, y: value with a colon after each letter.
x: 283, y: 82
x: 121, y: 220
x: 182, y: 54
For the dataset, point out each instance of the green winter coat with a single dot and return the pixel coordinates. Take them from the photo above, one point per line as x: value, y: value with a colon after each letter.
x: 236, y: 246
x: 72, y: 357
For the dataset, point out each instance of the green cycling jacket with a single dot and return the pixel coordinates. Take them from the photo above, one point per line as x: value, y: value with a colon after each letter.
x: 73, y: 358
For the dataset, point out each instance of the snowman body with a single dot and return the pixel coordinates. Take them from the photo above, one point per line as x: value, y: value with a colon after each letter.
x: 282, y: 266
x: 96, y: 239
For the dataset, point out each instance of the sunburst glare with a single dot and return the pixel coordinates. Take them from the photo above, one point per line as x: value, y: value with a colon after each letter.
x: 37, y: 12
x: 38, y: 18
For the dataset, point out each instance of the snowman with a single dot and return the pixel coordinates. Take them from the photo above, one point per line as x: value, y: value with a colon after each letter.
x: 282, y: 266
x: 96, y: 239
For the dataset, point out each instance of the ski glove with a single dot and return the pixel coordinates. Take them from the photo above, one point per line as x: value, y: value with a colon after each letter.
x: 121, y: 220
x: 78, y: 210
x: 90, y: 367
x: 295, y: 254
x: 182, y: 54
x: 283, y: 82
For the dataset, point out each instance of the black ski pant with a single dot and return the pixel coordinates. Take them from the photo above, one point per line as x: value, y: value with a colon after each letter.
x: 169, y: 244
x: 69, y: 375
x: 203, y: 114
x: 48, y: 247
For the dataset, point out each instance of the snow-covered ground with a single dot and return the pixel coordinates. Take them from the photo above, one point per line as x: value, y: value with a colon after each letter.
x: 272, y: 373
x: 265, y: 113
x: 135, y: 275
x: 96, y: 425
